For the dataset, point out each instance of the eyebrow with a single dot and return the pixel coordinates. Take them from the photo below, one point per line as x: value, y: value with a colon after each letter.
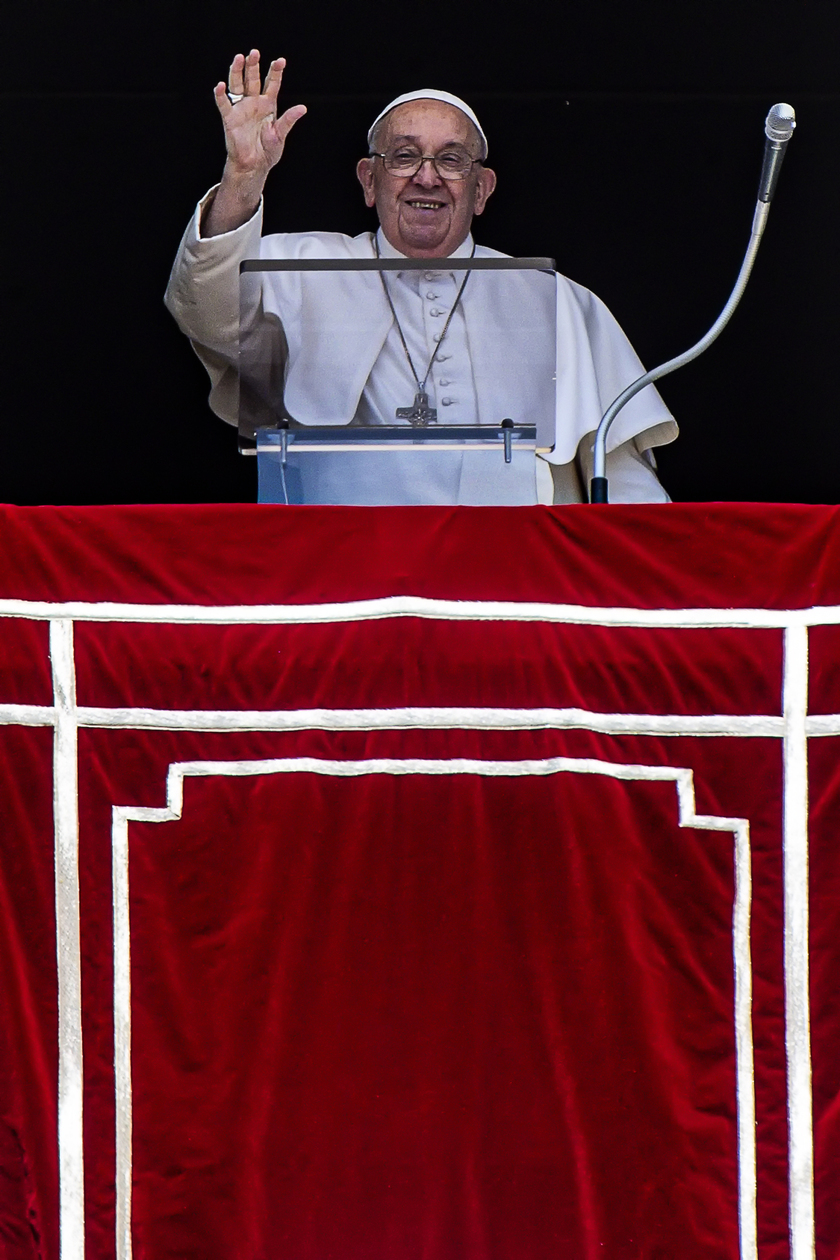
x: 415, y: 140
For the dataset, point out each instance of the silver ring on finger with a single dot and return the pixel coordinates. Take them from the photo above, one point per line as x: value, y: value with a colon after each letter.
x: 235, y: 97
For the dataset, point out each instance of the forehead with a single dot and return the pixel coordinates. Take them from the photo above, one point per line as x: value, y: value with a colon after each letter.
x: 429, y: 122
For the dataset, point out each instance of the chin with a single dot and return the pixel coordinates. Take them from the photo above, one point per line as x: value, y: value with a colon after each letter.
x: 423, y: 240
x: 426, y: 250
x: 426, y: 235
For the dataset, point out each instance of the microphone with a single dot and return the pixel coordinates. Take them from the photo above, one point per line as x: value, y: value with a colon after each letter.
x: 778, y: 129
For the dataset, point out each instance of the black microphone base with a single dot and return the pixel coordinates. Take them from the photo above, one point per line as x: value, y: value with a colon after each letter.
x: 598, y: 490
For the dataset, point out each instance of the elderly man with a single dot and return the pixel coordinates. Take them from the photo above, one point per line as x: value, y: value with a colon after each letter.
x: 424, y: 335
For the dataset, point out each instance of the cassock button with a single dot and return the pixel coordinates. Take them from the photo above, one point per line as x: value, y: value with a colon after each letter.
x: 431, y: 295
x: 437, y: 337
x: 447, y: 402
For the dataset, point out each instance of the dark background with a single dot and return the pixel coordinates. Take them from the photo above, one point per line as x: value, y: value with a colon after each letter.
x: 628, y: 141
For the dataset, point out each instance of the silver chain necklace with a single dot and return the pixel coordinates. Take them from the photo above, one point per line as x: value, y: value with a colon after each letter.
x: 421, y: 413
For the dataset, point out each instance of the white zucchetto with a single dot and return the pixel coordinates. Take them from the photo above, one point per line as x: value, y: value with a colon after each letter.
x: 431, y: 94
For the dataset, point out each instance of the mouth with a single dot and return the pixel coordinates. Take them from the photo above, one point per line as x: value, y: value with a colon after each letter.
x: 418, y: 203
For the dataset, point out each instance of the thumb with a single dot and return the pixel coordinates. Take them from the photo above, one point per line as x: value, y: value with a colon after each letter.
x: 286, y: 121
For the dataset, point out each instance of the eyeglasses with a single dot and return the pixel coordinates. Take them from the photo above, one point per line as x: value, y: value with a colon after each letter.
x: 407, y: 161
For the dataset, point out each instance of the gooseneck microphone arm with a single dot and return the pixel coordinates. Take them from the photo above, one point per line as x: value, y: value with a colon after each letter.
x: 778, y: 129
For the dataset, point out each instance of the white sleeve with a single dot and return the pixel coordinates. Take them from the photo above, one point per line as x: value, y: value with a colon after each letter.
x: 203, y: 297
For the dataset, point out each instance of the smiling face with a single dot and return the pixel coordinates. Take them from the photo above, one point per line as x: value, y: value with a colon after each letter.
x: 424, y: 215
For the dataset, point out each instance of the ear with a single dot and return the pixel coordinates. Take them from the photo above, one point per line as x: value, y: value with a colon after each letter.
x: 365, y: 174
x: 485, y: 185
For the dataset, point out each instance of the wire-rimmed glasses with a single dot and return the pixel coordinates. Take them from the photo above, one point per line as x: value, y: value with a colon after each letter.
x: 452, y: 162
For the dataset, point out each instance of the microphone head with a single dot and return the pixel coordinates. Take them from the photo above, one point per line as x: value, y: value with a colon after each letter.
x: 780, y: 123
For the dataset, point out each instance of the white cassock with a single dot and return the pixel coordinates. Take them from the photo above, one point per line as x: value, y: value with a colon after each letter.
x: 330, y: 349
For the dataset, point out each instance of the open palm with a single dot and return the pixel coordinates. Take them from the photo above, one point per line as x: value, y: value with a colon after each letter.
x: 254, y: 135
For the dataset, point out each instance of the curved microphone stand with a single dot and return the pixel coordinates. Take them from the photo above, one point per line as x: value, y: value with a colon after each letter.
x: 778, y: 128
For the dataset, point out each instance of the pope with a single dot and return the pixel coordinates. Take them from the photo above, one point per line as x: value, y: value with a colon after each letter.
x: 358, y: 347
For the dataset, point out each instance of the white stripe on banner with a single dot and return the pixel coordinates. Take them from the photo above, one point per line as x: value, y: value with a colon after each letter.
x: 27, y: 714
x: 797, y: 1006
x: 742, y: 726
x: 684, y: 782
x: 473, y: 718
x: 420, y: 606
x: 746, y: 726
x: 66, y: 823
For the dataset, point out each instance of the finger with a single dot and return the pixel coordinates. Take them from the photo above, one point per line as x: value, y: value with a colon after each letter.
x: 235, y: 79
x: 284, y: 124
x: 274, y: 78
x: 252, y: 73
x: 222, y: 99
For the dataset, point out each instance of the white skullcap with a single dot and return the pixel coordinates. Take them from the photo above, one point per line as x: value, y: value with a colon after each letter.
x: 431, y: 94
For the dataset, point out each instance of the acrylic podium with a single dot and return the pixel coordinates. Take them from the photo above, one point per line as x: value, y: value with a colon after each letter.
x: 324, y: 437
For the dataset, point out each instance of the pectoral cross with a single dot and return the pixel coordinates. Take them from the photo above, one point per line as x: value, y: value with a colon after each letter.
x: 421, y: 413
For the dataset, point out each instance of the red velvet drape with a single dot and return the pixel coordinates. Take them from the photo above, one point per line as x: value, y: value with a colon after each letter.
x: 434, y: 1008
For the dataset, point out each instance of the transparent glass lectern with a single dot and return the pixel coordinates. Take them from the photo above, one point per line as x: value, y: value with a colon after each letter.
x: 334, y: 411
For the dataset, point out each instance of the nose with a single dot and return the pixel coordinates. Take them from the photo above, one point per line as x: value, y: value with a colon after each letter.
x: 427, y: 176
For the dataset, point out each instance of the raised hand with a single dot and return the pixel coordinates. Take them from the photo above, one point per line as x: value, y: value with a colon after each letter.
x: 254, y: 136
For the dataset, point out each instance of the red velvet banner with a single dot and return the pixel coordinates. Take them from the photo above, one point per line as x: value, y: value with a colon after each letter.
x: 419, y: 884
